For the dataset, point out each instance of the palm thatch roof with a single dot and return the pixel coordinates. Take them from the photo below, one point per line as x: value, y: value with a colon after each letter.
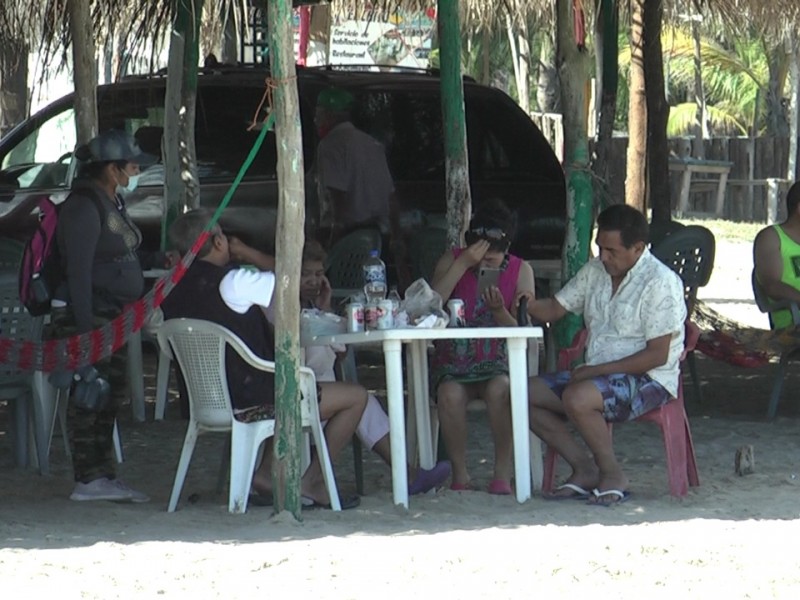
x: 135, y: 25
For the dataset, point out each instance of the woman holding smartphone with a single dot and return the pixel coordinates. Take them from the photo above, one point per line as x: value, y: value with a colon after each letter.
x: 487, y: 278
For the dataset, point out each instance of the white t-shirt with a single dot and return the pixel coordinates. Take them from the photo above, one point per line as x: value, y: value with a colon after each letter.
x: 242, y: 288
x: 649, y: 303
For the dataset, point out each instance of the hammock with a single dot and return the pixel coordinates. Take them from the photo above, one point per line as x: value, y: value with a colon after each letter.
x: 725, y: 339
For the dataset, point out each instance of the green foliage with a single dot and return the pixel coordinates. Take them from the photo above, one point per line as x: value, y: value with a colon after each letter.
x: 735, y: 73
x: 721, y: 120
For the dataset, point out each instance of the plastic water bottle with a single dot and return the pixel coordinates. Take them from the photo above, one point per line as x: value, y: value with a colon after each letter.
x: 374, y: 278
x: 394, y: 296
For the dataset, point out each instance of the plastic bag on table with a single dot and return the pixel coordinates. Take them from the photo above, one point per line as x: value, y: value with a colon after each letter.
x: 315, y: 322
x: 421, y: 302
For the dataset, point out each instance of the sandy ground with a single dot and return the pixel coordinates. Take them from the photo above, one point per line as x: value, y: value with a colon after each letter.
x: 733, y: 537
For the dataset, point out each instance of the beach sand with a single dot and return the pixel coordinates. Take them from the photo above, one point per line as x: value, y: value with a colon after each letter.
x: 732, y: 537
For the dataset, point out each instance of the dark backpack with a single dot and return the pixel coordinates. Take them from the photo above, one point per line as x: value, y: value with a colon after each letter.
x: 40, y: 271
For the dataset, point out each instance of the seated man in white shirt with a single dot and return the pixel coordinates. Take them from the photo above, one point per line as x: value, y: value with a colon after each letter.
x: 234, y: 298
x: 634, y: 310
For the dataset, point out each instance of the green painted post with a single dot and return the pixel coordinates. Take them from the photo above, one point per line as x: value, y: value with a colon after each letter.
x: 454, y: 121
x: 573, y: 69
x: 288, y: 249
x: 181, y: 191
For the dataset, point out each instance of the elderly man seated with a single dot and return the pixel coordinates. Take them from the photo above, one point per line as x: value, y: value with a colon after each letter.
x: 634, y: 311
x: 214, y: 290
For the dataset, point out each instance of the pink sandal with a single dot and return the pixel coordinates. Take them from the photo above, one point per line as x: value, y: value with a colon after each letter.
x: 500, y: 487
x: 462, y: 487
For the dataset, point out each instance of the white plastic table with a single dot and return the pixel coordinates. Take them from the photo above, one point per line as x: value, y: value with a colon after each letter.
x: 392, y: 341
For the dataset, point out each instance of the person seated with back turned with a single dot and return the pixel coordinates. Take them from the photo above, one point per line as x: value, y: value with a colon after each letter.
x: 315, y: 293
x: 466, y: 369
x: 634, y: 311
x: 213, y: 290
x: 776, y: 256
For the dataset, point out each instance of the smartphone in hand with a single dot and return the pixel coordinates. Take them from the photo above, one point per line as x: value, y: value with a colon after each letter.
x: 487, y: 277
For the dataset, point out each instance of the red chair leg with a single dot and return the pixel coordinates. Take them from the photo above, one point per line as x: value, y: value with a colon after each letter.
x: 691, y: 460
x: 549, y: 474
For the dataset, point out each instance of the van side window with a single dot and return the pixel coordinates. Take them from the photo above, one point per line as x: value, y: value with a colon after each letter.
x: 41, y: 159
x: 498, y: 150
x: 409, y: 125
x: 223, y: 141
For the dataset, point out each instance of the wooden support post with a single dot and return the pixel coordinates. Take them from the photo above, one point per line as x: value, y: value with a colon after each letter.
x: 459, y: 201
x: 288, y: 249
x: 85, y: 70
x: 773, y: 193
x: 723, y: 182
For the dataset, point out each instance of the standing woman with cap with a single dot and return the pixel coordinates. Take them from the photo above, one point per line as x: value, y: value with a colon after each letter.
x: 98, y: 244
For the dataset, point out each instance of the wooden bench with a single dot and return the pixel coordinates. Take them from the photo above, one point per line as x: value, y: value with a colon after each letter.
x: 716, y: 172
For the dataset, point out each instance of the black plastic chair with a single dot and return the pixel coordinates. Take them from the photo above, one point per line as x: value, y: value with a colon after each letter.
x: 426, y: 249
x: 768, y: 305
x: 346, y: 260
x: 689, y: 251
x: 660, y: 230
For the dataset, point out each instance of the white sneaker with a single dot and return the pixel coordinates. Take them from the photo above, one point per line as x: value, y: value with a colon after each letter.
x: 136, y: 496
x: 106, y: 489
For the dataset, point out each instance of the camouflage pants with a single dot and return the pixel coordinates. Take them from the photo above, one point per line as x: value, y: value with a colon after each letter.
x: 91, y: 434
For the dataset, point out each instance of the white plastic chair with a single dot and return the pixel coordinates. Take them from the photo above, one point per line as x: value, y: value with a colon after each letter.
x: 199, y: 347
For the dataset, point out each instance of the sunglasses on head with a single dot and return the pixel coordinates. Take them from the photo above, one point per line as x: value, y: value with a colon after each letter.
x: 488, y: 233
x: 495, y: 243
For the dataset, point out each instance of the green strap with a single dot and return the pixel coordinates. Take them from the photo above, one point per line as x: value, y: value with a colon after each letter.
x: 270, y: 122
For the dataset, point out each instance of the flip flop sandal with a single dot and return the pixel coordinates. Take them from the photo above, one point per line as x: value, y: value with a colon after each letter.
x: 347, y: 503
x: 579, y: 493
x: 599, y: 498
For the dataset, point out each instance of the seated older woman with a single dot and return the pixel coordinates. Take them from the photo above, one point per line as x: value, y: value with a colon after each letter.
x: 467, y: 369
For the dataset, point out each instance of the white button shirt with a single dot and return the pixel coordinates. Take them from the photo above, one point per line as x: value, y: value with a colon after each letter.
x: 649, y: 303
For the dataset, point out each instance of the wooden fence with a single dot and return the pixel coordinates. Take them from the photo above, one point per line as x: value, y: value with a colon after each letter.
x: 756, y: 186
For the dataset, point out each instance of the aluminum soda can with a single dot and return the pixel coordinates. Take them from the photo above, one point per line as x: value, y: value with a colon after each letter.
x: 385, y: 319
x: 355, y: 317
x: 457, y: 315
x: 371, y: 316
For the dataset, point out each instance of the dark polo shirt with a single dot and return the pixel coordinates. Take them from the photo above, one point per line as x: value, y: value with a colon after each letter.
x: 197, y: 297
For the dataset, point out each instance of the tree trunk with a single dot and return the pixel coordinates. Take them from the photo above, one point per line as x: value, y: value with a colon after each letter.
x: 524, y: 54
x: 181, y: 189
x: 607, y: 52
x: 778, y: 62
x: 13, y: 82
x: 84, y: 69
x: 459, y: 202
x: 512, y: 44
x: 635, y: 185
x: 701, y: 118
x: 547, y: 93
x: 573, y: 68
x: 657, y: 114
x: 289, y: 244
x: 190, y: 13
x: 486, y: 55
x: 794, y: 116
x: 229, y: 53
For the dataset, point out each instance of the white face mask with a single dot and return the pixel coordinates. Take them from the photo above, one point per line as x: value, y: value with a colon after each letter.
x: 133, y: 181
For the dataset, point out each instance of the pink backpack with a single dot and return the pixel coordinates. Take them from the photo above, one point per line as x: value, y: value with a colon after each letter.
x: 40, y: 269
